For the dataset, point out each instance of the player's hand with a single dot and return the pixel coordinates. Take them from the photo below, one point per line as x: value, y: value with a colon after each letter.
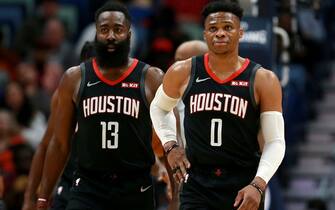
x: 248, y: 198
x: 158, y: 170
x: 42, y: 204
x: 179, y: 164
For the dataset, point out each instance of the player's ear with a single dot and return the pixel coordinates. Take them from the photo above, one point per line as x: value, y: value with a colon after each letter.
x: 129, y: 33
x: 241, y: 32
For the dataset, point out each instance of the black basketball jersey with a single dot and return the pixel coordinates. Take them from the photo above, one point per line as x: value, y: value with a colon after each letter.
x: 114, y: 126
x: 221, y: 117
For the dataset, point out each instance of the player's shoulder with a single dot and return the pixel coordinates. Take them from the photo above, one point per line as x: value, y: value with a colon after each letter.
x: 155, y: 71
x: 72, y: 71
x: 71, y: 76
x: 181, y: 66
x: 266, y: 74
x: 266, y: 78
x: 153, y: 76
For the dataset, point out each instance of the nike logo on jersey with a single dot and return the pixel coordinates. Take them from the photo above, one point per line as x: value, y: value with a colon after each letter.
x: 77, y: 182
x: 201, y: 80
x: 89, y: 84
x: 59, y: 190
x: 145, y: 189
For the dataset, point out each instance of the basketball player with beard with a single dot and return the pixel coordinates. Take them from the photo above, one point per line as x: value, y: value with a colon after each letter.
x: 109, y: 96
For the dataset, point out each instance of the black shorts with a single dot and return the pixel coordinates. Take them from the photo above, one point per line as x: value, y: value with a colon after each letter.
x: 112, y: 193
x: 62, y: 195
x: 213, y: 189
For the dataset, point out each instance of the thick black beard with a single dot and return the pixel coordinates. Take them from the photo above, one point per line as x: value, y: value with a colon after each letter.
x: 117, y: 58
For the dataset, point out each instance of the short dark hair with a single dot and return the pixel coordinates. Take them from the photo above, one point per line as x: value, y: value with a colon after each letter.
x: 231, y: 6
x: 113, y: 6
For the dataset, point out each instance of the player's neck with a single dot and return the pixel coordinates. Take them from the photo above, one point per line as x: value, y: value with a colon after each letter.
x: 224, y: 63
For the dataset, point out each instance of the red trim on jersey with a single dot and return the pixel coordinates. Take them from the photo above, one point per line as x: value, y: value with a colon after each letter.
x: 231, y: 77
x: 113, y: 82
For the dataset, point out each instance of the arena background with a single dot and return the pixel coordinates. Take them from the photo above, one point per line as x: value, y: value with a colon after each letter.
x: 40, y: 39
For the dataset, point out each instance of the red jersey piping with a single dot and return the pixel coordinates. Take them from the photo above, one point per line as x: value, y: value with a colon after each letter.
x: 113, y: 82
x: 231, y: 77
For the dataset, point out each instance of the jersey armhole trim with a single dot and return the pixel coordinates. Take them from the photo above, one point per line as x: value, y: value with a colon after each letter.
x: 252, y: 84
x: 192, y: 75
x: 82, y: 83
x: 142, y: 85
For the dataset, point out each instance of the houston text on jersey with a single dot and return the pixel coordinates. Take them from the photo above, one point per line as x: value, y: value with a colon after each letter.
x: 218, y: 102
x: 111, y: 104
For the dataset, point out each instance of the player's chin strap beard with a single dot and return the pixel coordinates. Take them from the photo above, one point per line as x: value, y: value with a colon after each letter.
x: 117, y: 58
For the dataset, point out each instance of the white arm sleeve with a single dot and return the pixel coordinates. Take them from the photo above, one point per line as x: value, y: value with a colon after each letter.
x: 163, y: 119
x: 272, y: 124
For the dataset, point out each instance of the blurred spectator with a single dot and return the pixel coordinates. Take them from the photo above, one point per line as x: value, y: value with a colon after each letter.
x: 161, y: 52
x: 8, y: 61
x: 10, y: 141
x: 7, y: 129
x: 159, y: 26
x: 29, y: 35
x: 56, y: 43
x: 328, y: 16
x: 2, y: 203
x: 52, y: 73
x: 23, y: 154
x: 31, y: 122
x: 141, y: 12
x: 165, y: 38
x: 27, y: 77
x: 316, y: 204
x: 188, y: 16
x: 39, y: 88
x: 187, y: 10
x: 15, y: 159
x: 2, y: 188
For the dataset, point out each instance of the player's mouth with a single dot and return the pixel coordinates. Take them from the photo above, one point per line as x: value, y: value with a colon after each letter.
x: 221, y: 42
x: 111, y: 48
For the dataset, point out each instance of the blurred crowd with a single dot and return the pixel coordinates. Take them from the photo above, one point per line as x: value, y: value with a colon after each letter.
x: 47, y: 39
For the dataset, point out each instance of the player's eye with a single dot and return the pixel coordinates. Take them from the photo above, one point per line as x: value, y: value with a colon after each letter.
x: 212, y: 29
x: 228, y: 28
x: 104, y: 30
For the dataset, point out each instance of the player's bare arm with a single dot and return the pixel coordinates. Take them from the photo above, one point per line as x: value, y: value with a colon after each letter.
x: 179, y: 73
x: 36, y: 169
x: 59, y: 147
x: 268, y: 93
x: 268, y: 96
x: 176, y: 78
x: 174, y: 84
x: 153, y: 79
